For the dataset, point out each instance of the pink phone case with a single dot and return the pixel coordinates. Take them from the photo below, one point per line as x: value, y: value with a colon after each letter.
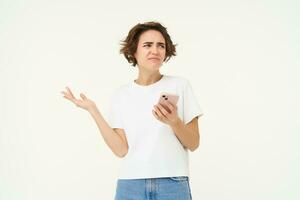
x: 172, y: 98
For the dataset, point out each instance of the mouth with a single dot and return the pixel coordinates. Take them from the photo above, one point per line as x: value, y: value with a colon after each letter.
x: 154, y: 59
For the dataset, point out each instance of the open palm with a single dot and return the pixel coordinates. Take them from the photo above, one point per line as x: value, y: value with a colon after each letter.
x: 84, y: 102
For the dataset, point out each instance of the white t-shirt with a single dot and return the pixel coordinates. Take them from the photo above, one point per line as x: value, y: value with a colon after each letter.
x: 154, y: 150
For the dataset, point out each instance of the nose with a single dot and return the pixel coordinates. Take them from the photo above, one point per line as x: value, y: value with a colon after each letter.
x: 154, y: 50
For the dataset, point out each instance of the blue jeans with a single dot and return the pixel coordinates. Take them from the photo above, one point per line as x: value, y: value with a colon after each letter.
x: 167, y: 188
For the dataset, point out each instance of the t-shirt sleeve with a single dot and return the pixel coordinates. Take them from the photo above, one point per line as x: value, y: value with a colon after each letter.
x: 191, y: 107
x: 116, y: 112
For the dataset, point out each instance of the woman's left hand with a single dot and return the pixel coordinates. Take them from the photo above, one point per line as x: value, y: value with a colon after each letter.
x: 169, y: 116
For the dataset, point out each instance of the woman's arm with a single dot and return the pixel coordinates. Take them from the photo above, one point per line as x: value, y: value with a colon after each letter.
x: 112, y: 138
x: 187, y: 134
x: 115, y: 139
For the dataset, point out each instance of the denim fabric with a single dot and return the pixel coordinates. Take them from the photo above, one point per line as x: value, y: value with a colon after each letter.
x: 167, y: 188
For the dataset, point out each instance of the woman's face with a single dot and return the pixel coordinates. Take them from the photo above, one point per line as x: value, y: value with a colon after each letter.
x: 151, y: 50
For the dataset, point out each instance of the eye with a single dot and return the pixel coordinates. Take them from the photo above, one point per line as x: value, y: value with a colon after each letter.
x: 161, y: 45
x: 147, y: 45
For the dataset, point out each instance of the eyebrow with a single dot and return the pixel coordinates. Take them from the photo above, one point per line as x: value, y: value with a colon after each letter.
x: 152, y: 43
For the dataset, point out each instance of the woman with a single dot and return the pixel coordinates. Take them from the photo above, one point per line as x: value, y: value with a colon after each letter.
x: 152, y: 139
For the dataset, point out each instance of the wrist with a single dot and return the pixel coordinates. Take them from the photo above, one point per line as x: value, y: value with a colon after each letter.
x: 93, y: 109
x: 178, y: 122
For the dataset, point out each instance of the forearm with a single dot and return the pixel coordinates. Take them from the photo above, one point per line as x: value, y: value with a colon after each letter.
x: 187, y: 137
x: 111, y: 138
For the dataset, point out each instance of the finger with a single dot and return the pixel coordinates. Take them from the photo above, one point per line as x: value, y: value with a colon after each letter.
x: 155, y: 115
x: 76, y: 102
x: 70, y: 92
x: 160, y: 112
x: 170, y: 106
x: 163, y: 110
x: 72, y: 100
x: 67, y: 96
x: 83, y: 96
x: 64, y: 93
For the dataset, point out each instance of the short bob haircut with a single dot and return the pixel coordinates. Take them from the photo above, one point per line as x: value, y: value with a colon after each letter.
x: 129, y: 45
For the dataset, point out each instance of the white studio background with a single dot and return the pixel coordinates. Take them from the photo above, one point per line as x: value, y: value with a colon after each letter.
x: 241, y: 57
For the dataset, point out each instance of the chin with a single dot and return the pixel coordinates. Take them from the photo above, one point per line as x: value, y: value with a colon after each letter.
x: 154, y: 67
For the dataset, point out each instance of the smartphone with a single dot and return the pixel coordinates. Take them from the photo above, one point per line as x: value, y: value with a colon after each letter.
x: 172, y: 98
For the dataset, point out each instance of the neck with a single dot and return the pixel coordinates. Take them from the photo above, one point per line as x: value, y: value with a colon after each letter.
x: 148, y: 79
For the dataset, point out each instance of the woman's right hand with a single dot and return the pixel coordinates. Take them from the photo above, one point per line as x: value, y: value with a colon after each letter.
x: 85, y: 103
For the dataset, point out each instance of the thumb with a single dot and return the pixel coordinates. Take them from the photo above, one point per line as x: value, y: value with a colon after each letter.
x: 83, y: 96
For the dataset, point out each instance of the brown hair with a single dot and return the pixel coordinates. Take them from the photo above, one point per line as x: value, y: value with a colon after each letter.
x: 129, y: 45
